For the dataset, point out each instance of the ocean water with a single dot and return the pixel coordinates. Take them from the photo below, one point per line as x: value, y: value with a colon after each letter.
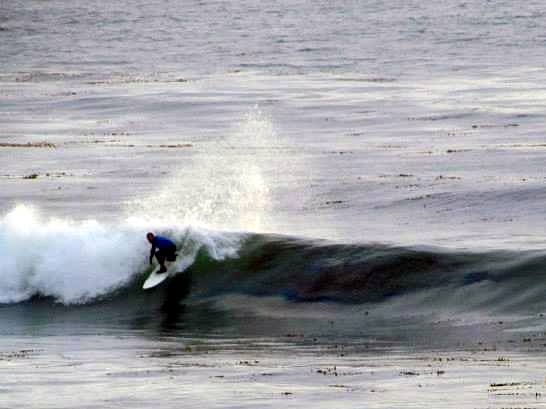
x: 360, y: 173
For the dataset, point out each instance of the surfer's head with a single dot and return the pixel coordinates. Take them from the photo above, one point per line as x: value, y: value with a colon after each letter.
x: 150, y: 236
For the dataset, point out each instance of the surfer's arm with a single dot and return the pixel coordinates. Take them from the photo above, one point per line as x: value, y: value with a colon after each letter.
x: 152, y: 252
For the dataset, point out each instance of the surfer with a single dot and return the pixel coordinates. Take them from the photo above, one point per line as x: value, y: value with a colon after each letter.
x: 163, y: 249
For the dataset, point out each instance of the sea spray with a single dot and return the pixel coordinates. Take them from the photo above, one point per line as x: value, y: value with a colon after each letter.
x: 224, y: 189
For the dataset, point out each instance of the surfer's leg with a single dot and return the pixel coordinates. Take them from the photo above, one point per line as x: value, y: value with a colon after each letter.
x: 160, y: 256
x: 171, y: 255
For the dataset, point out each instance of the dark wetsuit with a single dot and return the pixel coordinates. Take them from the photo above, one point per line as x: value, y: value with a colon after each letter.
x: 163, y: 249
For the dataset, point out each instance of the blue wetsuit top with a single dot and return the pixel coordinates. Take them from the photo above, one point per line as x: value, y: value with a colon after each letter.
x: 162, y: 243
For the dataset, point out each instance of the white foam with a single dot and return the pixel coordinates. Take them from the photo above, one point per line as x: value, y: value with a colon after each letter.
x: 75, y: 262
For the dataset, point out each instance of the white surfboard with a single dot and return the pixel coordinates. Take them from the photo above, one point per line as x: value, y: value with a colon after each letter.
x: 155, y: 278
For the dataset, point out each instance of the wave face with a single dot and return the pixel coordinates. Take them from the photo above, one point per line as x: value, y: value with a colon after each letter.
x: 86, y: 262
x: 310, y: 271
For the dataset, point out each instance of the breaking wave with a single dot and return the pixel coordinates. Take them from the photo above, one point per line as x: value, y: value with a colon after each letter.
x: 88, y: 262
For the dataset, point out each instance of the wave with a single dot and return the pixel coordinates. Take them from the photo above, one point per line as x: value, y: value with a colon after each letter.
x: 87, y: 262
